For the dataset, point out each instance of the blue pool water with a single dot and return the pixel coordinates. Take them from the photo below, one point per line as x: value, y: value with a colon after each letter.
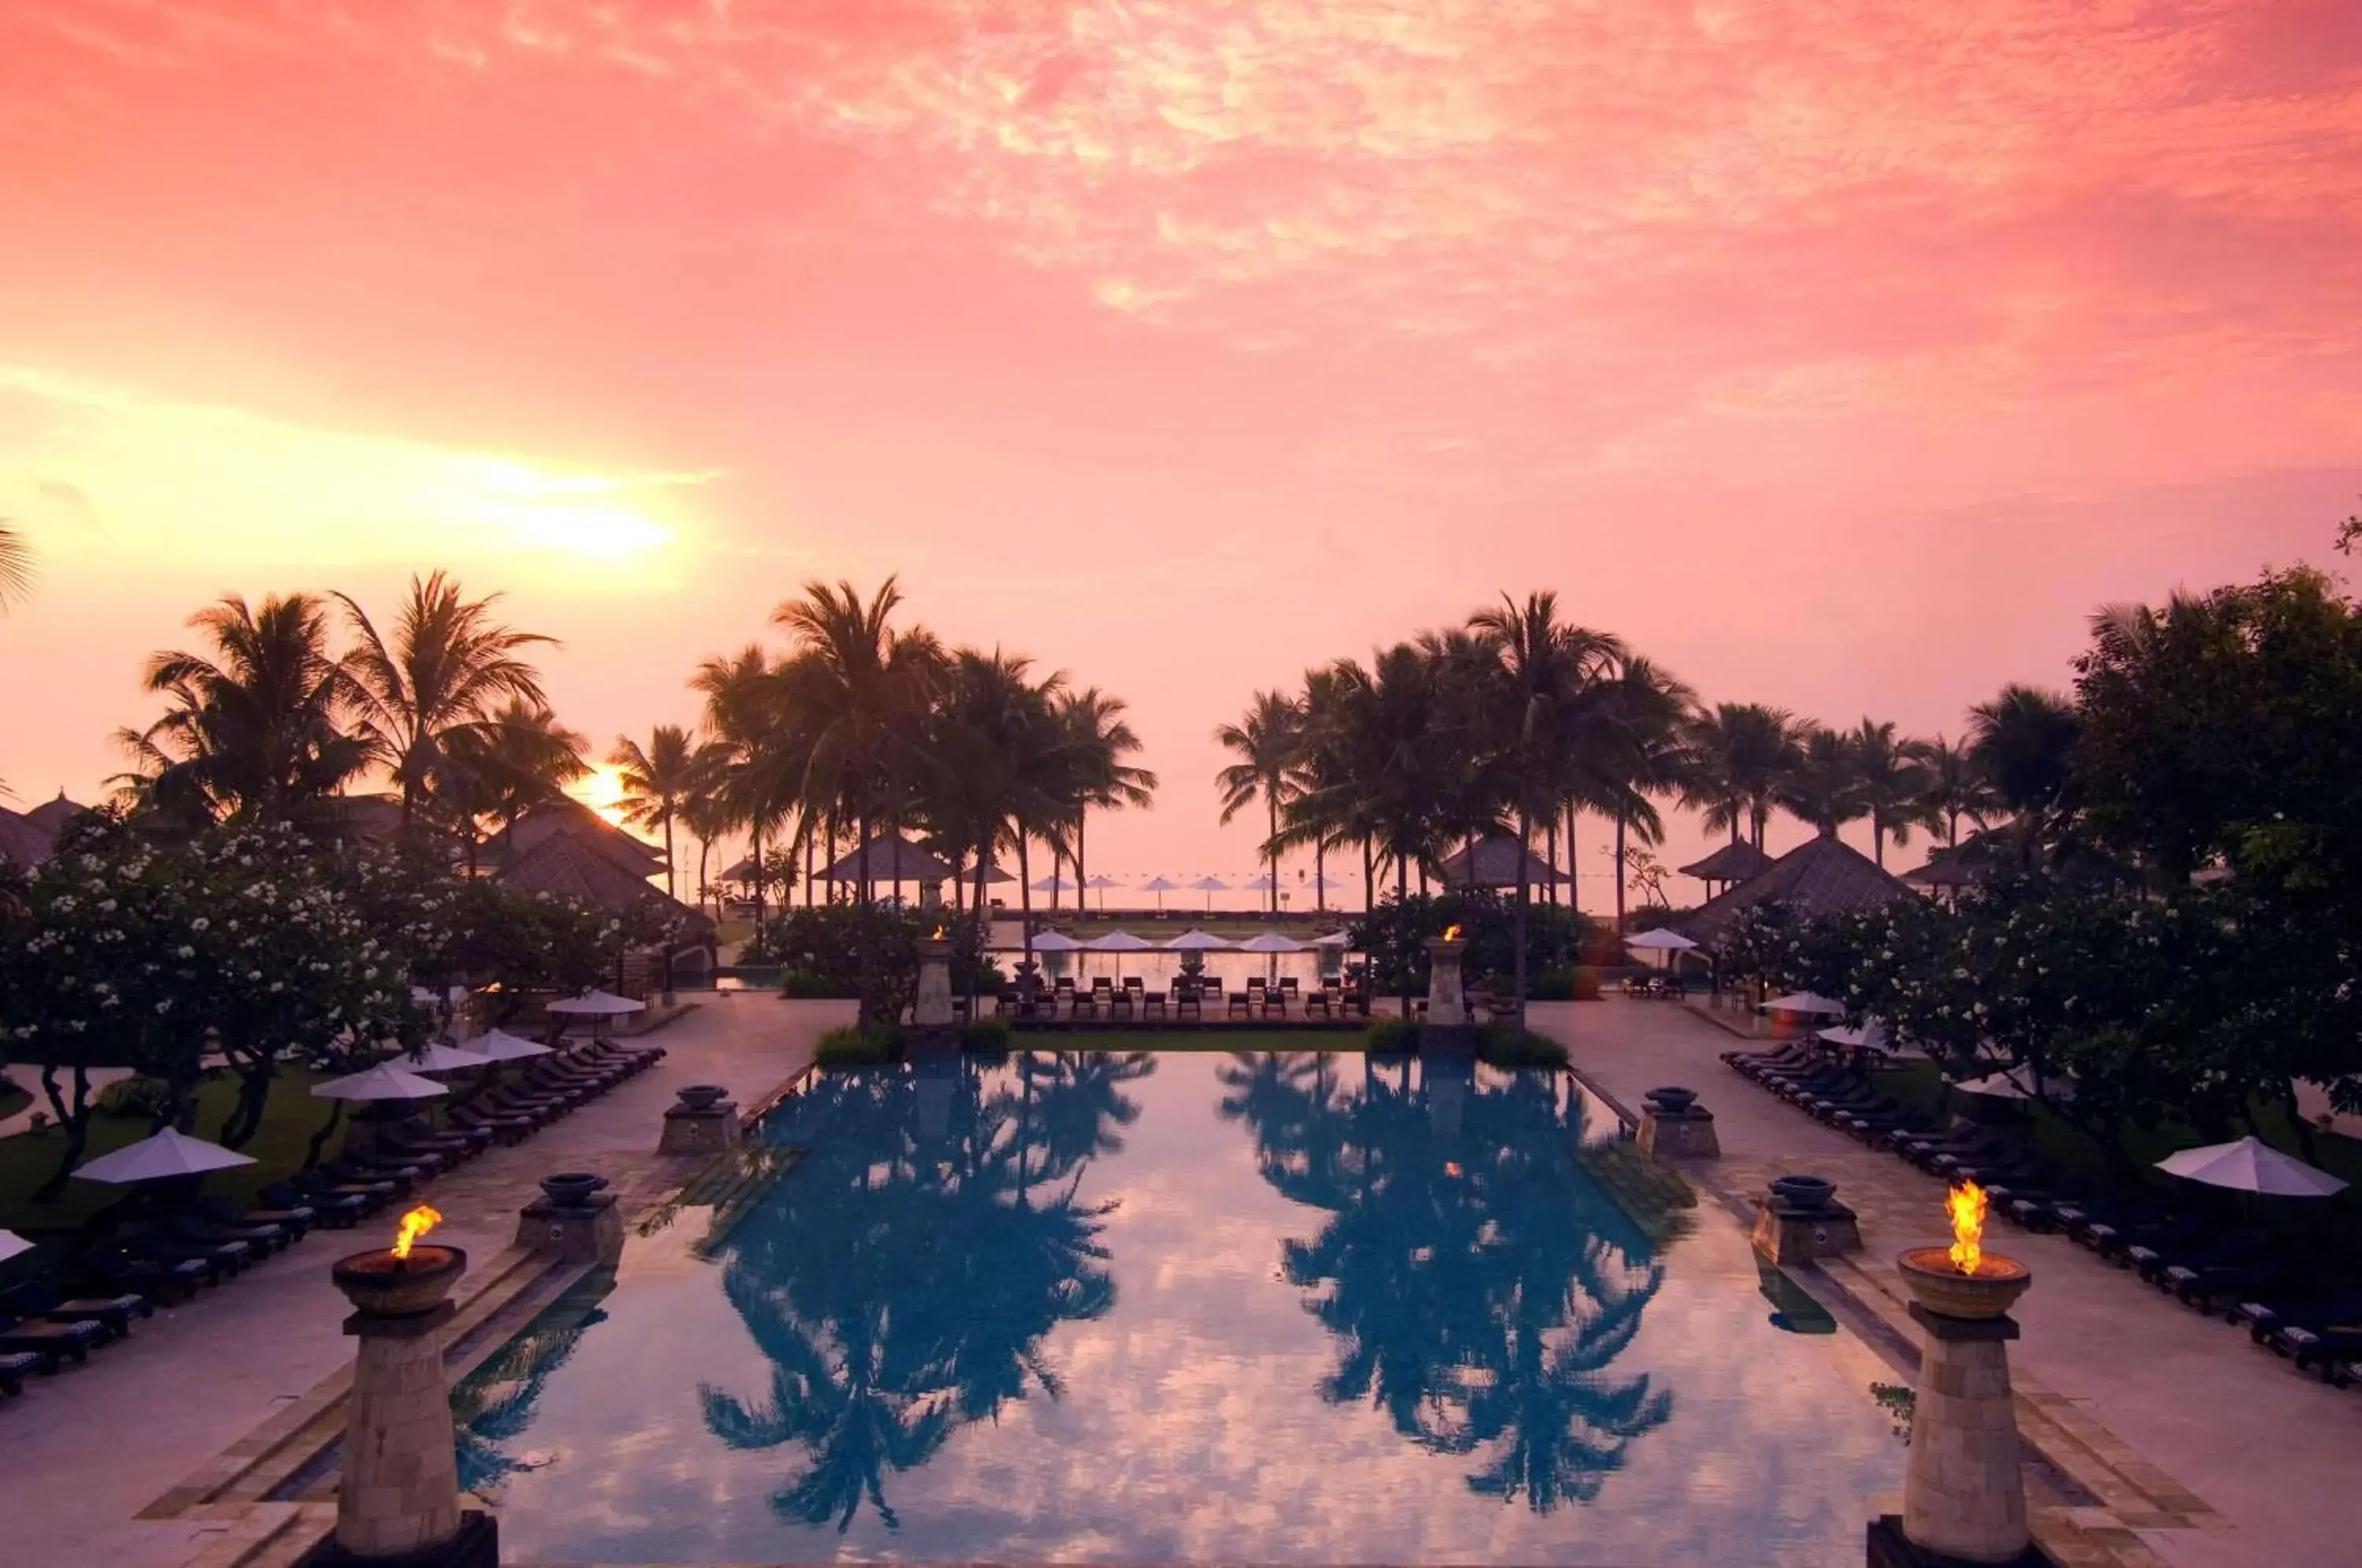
x: 1192, y: 1307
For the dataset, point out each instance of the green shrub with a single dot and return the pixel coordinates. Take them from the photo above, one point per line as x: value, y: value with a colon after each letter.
x: 1506, y: 1046
x: 847, y: 1046
x: 133, y: 1099
x: 1392, y: 1037
x: 804, y: 985
x: 1552, y: 984
x: 1587, y: 984
x: 989, y: 1037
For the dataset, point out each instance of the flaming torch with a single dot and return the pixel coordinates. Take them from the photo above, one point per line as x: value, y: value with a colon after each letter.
x: 1966, y: 1203
x: 942, y: 935
x: 1452, y: 933
x: 414, y: 1224
x: 1964, y: 1280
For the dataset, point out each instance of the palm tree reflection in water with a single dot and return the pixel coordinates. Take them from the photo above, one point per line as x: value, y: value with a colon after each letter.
x: 901, y: 1280
x: 1479, y: 1286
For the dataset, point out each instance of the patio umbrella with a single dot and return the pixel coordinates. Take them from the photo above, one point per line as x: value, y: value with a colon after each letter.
x: 1056, y: 942
x: 1870, y: 1036
x: 596, y: 1004
x: 13, y: 1245
x: 1210, y: 886
x: 1662, y: 941
x: 2016, y: 1083
x: 1806, y: 1002
x: 1102, y: 882
x: 1333, y: 939
x: 166, y: 1154
x: 437, y: 1057
x: 384, y: 1081
x: 2251, y: 1165
x: 500, y: 1045
x: 1119, y: 942
x: 1053, y: 885
x: 1160, y: 886
x: 1272, y: 942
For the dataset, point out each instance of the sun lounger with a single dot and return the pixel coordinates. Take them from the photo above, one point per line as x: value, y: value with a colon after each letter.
x: 113, y: 1270
x: 504, y: 1129
x: 221, y: 1259
x: 296, y: 1219
x: 37, y: 1300
x: 52, y: 1341
x: 263, y: 1239
x: 14, y: 1366
x: 1242, y: 1005
x: 1186, y: 1004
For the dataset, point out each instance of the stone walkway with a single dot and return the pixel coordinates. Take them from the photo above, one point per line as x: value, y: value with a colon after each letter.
x: 2209, y: 1453
x: 83, y: 1453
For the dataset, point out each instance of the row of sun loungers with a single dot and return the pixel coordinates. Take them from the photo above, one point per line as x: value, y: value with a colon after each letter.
x: 2195, y: 1258
x: 213, y: 1240
x: 1186, y: 1002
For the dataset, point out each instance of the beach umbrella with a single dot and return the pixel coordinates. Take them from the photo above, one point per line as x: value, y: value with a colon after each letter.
x: 1053, y: 885
x: 166, y: 1154
x: 437, y: 1057
x: 1102, y: 882
x: 2016, y: 1083
x: 1056, y: 942
x: 1806, y: 1002
x: 1661, y: 940
x: 2251, y: 1165
x: 13, y: 1245
x: 1210, y: 886
x: 1119, y: 942
x: 384, y: 1081
x: 596, y: 1004
x: 1333, y: 939
x: 1262, y: 883
x: 1196, y: 940
x: 1870, y: 1036
x: 1160, y: 886
x: 500, y: 1045
x: 1272, y: 942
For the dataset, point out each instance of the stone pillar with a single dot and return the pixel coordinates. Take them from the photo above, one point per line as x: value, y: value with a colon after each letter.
x: 1800, y: 1220
x: 572, y: 1219
x: 1963, y: 1495
x: 932, y: 1009
x: 704, y: 1123
x: 1447, y: 1003
x: 1673, y: 1125
x: 398, y: 1497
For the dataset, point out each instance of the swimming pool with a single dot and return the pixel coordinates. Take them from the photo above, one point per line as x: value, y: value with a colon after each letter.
x: 1188, y: 1307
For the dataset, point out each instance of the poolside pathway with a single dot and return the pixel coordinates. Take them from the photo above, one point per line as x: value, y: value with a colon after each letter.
x: 2211, y: 1452
x: 89, y: 1449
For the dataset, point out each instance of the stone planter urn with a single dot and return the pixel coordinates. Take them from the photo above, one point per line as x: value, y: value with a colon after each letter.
x: 1672, y: 1097
x: 1806, y: 1192
x: 571, y: 1189
x: 703, y: 1097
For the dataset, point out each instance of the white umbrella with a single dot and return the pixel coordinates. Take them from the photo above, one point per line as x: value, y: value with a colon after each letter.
x: 1272, y: 942
x: 437, y: 1057
x: 1056, y: 942
x: 1262, y: 883
x: 1807, y: 1002
x: 1054, y: 885
x: 1160, y: 886
x: 596, y: 1004
x: 2251, y: 1165
x: 1661, y: 940
x: 384, y: 1081
x: 1119, y: 942
x: 13, y: 1245
x: 1872, y: 1035
x: 1102, y: 882
x: 500, y: 1045
x: 1196, y: 940
x: 1333, y: 939
x: 2017, y: 1083
x: 168, y: 1153
x: 1210, y: 886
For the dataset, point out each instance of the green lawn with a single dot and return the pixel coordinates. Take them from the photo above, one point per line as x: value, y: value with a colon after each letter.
x: 288, y: 1124
x: 13, y: 1098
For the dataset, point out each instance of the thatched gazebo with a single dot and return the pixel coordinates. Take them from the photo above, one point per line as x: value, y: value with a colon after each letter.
x: 1732, y: 864
x: 571, y: 820
x: 889, y: 858
x: 1494, y: 861
x: 575, y: 865
x: 1823, y: 875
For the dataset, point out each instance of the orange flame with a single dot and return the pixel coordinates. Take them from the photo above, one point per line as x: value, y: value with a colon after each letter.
x: 1452, y: 933
x: 939, y: 935
x: 1966, y: 1204
x: 414, y: 1224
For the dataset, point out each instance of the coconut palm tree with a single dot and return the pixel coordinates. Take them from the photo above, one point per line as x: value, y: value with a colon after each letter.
x: 252, y: 729
x: 1646, y: 752
x: 658, y: 780
x: 1100, y: 740
x: 447, y: 666
x: 1744, y: 754
x: 1265, y: 741
x: 760, y: 763
x: 2024, y: 743
x: 1823, y: 790
x: 1891, y: 777
x: 1955, y: 787
x: 705, y: 810
x: 519, y: 759
x: 16, y: 565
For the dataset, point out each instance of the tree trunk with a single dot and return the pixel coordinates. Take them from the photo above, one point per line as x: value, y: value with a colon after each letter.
x: 1525, y: 897
x: 1025, y: 893
x: 1271, y: 846
x: 1320, y: 875
x: 319, y: 1143
x: 1573, y: 866
x: 704, y: 848
x: 245, y: 1118
x: 980, y: 911
x: 1402, y: 923
x: 74, y: 1121
x: 1878, y: 843
x: 1550, y: 848
x: 755, y: 830
x: 1623, y: 818
x: 1080, y: 908
x: 672, y: 886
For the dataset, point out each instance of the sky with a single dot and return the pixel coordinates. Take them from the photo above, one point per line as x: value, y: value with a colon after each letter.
x: 1842, y: 356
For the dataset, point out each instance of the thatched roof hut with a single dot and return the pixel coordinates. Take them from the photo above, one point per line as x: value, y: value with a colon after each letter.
x: 1734, y: 861
x: 1493, y: 862
x: 888, y: 857
x: 571, y: 819
x: 21, y: 844
x: 575, y: 867
x: 1823, y: 875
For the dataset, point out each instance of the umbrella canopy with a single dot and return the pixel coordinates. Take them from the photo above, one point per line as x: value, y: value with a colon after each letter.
x: 1211, y: 885
x: 1053, y: 885
x: 1103, y: 880
x: 1196, y: 940
x: 1262, y: 883
x: 1159, y: 885
x: 500, y: 1045
x: 2251, y: 1165
x: 596, y: 1004
x: 1660, y: 941
x: 1333, y: 939
x: 13, y: 1245
x: 1805, y: 1001
x: 2017, y: 1083
x: 384, y: 1081
x: 1056, y: 942
x: 1270, y: 942
x: 168, y: 1153
x: 1872, y: 1035
x: 437, y: 1057
x: 1119, y: 942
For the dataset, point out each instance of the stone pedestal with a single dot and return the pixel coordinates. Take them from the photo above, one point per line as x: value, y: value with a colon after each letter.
x: 1787, y: 1232
x: 706, y: 1128
x: 1680, y: 1135
x: 398, y: 1497
x: 932, y: 1008
x: 1447, y: 1001
x: 590, y: 1231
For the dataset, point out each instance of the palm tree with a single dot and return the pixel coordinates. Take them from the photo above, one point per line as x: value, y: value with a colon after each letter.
x: 16, y: 565
x: 1824, y: 788
x: 2024, y: 743
x: 760, y: 763
x: 1890, y: 774
x: 1955, y: 787
x: 1265, y: 741
x: 252, y: 730
x: 519, y: 759
x: 1100, y: 740
x: 449, y: 662
x: 658, y: 780
x: 1647, y: 747
x: 705, y: 810
x: 1743, y: 755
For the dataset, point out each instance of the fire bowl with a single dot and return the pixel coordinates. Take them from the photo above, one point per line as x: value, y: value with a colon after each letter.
x: 1672, y: 1097
x: 703, y: 1097
x: 377, y: 1281
x: 1945, y: 1290
x: 571, y: 1189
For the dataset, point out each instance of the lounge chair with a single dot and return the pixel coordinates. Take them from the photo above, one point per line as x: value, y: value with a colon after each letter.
x: 52, y: 1341
x: 296, y: 1219
x: 353, y: 1171
x: 1119, y: 1007
x: 38, y: 1301
x: 1185, y: 1005
x: 1315, y: 1002
x: 1241, y: 1004
x: 1152, y: 1006
x: 2267, y: 1317
x: 113, y: 1270
x: 222, y: 1259
x: 504, y: 1128
x: 265, y: 1241
x: 14, y: 1365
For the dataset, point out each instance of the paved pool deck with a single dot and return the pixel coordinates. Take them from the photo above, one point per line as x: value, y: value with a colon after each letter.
x: 2213, y: 1453
x: 83, y: 1453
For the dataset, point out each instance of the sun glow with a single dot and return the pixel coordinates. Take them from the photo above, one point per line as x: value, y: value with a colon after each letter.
x: 601, y: 790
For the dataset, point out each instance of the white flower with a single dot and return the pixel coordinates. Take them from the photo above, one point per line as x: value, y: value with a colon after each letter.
x: 200, y: 923
x: 163, y: 1007
x: 185, y: 951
